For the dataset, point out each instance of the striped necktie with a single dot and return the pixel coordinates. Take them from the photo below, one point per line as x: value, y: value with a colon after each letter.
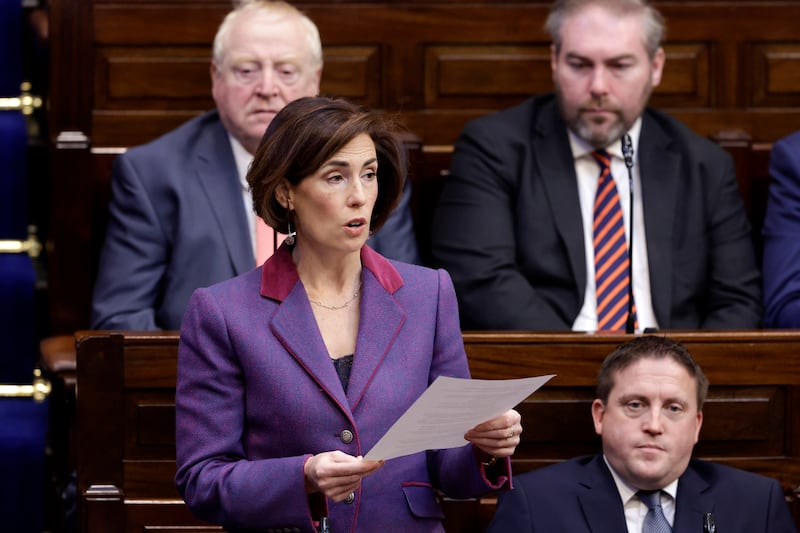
x: 654, y: 521
x: 610, y: 251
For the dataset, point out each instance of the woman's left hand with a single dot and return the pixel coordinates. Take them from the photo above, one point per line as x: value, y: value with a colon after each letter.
x: 499, y: 436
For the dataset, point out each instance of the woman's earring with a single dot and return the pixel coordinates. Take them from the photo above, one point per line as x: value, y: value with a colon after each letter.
x: 290, y: 236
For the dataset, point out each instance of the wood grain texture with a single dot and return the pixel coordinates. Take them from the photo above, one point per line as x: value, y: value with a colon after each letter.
x: 125, y: 413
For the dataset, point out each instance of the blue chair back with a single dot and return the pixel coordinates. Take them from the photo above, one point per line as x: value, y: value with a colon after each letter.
x: 17, y: 275
x: 23, y: 421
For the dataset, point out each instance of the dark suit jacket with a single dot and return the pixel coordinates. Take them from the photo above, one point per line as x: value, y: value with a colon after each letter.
x: 579, y: 496
x: 177, y: 222
x: 782, y: 236
x: 257, y: 394
x: 508, y: 226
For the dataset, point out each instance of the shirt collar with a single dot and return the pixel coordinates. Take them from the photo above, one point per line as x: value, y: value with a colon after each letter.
x: 243, y: 158
x: 626, y: 492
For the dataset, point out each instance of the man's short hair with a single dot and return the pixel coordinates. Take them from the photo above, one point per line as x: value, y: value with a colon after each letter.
x: 274, y: 7
x: 649, y: 347
x: 655, y: 28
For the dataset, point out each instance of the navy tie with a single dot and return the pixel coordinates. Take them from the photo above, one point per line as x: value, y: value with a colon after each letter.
x: 654, y: 521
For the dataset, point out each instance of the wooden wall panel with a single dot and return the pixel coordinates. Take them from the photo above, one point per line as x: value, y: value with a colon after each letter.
x: 470, y: 76
x: 152, y: 77
x: 687, y: 81
x: 777, y: 74
x: 353, y: 72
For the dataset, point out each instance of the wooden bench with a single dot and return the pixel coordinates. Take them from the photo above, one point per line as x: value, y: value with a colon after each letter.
x: 126, y: 435
x: 125, y: 416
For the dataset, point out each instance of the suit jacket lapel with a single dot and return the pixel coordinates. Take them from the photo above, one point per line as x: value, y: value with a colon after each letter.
x: 380, y: 322
x: 659, y: 170
x: 295, y: 326
x: 601, y: 503
x: 216, y: 170
x: 556, y: 167
x: 692, y: 503
x: 294, y: 323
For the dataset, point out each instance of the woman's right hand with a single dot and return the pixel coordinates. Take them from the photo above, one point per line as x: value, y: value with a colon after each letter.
x: 336, y: 474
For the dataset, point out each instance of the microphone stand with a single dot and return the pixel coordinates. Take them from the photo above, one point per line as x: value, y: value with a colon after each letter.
x: 627, y: 153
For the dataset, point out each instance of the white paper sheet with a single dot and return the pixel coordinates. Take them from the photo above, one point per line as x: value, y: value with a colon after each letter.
x: 447, y: 410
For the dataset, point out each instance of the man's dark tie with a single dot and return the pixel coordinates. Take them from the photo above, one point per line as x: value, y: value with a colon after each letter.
x: 654, y: 521
x: 610, y: 251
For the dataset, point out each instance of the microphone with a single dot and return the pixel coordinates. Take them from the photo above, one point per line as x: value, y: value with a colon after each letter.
x: 627, y: 153
x: 709, y: 526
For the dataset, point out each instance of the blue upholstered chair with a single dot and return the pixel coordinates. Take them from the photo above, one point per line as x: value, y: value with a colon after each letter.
x: 23, y: 420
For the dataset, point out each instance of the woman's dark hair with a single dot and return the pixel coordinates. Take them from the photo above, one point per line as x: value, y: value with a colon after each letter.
x: 307, y: 133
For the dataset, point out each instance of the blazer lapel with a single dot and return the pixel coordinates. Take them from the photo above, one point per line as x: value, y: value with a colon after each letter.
x: 659, y: 171
x: 601, y: 504
x: 216, y: 170
x: 380, y: 322
x: 294, y: 324
x: 556, y: 167
x: 692, y: 503
x: 381, y: 318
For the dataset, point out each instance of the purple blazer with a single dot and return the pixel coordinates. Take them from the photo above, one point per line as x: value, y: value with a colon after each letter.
x: 257, y: 394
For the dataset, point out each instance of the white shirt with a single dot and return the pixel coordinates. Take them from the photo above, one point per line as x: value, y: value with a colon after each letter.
x: 587, y: 171
x: 636, y: 509
x: 243, y: 158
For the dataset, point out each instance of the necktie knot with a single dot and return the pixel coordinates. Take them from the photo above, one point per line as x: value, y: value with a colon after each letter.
x: 651, y: 498
x: 655, y: 521
x: 603, y: 159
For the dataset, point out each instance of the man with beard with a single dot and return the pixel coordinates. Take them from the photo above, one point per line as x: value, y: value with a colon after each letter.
x: 515, y: 225
x: 648, y: 412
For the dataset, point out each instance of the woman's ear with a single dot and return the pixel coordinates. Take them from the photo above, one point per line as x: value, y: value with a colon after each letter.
x: 284, y: 195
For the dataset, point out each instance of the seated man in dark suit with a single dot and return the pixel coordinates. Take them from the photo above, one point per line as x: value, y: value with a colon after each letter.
x: 180, y: 214
x: 782, y: 236
x: 648, y: 412
x: 534, y: 221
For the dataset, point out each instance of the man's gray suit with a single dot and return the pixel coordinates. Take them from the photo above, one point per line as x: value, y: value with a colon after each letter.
x: 177, y: 222
x: 508, y: 225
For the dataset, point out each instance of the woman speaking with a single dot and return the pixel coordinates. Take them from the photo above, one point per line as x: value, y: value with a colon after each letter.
x: 288, y: 374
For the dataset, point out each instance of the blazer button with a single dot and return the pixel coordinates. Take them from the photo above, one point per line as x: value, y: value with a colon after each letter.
x: 346, y: 436
x: 350, y: 498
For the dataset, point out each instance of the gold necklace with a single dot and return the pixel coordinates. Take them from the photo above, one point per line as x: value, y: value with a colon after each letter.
x: 337, y: 307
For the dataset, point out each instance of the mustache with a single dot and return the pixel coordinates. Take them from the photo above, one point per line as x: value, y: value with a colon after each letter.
x: 599, y: 105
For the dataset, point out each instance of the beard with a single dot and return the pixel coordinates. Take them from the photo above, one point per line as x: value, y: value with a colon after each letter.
x: 598, y: 131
